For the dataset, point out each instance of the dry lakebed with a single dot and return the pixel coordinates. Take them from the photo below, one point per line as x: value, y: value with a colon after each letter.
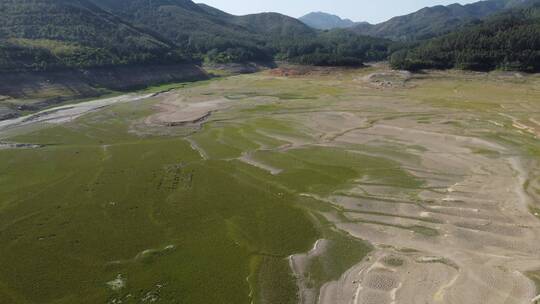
x: 354, y: 186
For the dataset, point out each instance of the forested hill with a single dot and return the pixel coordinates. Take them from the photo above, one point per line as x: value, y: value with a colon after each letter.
x: 211, y: 34
x: 434, y: 21
x: 45, y: 34
x: 190, y: 27
x: 42, y: 35
x: 58, y: 34
x: 509, y: 41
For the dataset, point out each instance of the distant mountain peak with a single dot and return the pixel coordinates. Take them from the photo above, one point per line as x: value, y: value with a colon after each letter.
x: 326, y: 21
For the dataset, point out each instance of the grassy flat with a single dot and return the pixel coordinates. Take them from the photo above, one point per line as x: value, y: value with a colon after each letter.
x: 111, y: 209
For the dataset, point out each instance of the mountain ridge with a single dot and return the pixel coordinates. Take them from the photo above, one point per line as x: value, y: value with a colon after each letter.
x: 326, y: 21
x: 437, y: 20
x: 57, y: 34
x: 506, y: 41
x: 41, y: 34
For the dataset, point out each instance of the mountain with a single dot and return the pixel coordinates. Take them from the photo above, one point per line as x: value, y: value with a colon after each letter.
x: 186, y: 24
x: 274, y: 25
x: 71, y: 34
x: 202, y: 30
x: 45, y: 34
x: 433, y: 21
x: 211, y: 34
x: 507, y: 41
x: 325, y: 21
x: 56, y: 34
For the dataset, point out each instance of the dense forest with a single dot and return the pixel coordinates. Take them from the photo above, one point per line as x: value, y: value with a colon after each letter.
x: 40, y: 35
x: 434, y: 21
x: 54, y: 34
x: 336, y: 47
x: 508, y: 41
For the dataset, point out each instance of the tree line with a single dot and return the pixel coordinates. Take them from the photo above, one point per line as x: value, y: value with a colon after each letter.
x: 509, y: 41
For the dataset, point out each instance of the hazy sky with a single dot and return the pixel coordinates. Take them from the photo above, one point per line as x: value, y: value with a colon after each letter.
x: 358, y: 10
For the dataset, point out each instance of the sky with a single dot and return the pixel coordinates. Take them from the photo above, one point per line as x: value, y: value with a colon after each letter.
x: 356, y: 10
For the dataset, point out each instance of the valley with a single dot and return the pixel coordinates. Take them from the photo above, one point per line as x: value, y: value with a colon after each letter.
x: 291, y: 185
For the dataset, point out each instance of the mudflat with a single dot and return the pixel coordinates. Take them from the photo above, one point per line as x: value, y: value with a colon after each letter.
x: 326, y: 186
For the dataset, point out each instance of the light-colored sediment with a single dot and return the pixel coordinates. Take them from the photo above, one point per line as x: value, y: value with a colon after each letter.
x: 387, y: 79
x: 9, y: 145
x: 248, y: 159
x: 473, y: 237
x: 486, y: 238
x: 197, y: 148
x: 68, y: 113
x: 176, y: 110
x: 466, y: 236
x: 299, y: 266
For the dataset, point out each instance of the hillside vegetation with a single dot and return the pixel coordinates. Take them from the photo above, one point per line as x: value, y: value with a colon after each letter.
x: 40, y: 35
x: 43, y: 35
x: 210, y: 34
x: 509, y: 41
x: 434, y: 21
x: 337, y: 47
